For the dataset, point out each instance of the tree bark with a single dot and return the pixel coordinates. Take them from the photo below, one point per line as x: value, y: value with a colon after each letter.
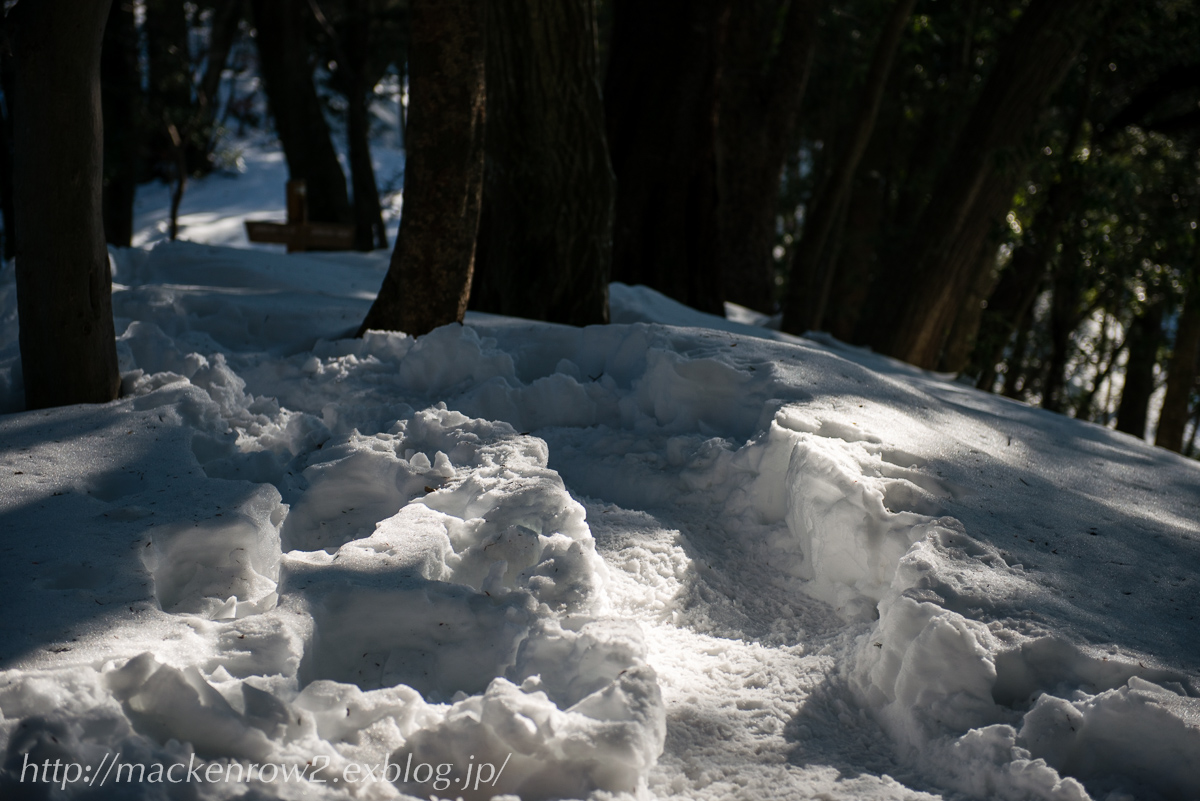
x: 545, y: 234
x: 924, y: 281
x: 6, y: 154
x: 1181, y: 374
x: 370, y: 232
x: 811, y: 276
x: 1007, y: 307
x: 64, y: 284
x: 765, y: 71
x: 429, y: 279
x: 121, y: 102
x: 967, y: 322
x: 299, y: 121
x: 1065, y: 317
x: 660, y: 99
x: 1145, y: 336
x: 168, y: 83
x: 226, y: 16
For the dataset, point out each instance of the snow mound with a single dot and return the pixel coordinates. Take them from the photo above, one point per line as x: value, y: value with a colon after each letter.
x: 639, y: 558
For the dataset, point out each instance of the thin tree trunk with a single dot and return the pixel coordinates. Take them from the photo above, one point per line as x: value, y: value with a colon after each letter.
x: 6, y: 154
x: 1007, y: 309
x: 1064, y: 318
x: 808, y: 287
x: 299, y: 121
x: 121, y: 98
x: 370, y: 232
x: 1014, y: 383
x: 545, y: 234
x: 429, y: 280
x: 761, y: 90
x: 64, y: 284
x: 1181, y: 374
x: 226, y: 16
x: 858, y: 263
x: 961, y: 342
x: 1032, y: 63
x: 1145, y: 336
x: 1085, y: 409
x: 168, y: 82
x: 660, y: 99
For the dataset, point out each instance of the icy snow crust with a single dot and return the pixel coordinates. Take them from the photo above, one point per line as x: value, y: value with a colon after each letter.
x: 709, y: 561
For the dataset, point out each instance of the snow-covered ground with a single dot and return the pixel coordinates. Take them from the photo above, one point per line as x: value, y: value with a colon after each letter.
x: 675, y: 556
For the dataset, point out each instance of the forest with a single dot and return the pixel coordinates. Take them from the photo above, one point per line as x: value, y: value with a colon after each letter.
x: 1006, y: 191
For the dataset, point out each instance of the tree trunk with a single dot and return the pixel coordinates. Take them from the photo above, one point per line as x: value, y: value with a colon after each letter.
x: 761, y: 89
x: 1145, y: 336
x: 370, y: 232
x: 6, y: 154
x: 924, y: 282
x: 1181, y: 374
x: 121, y: 100
x: 810, y: 282
x: 1016, y: 368
x: 660, y: 99
x: 1006, y: 310
x: 429, y: 280
x: 168, y: 82
x: 1064, y: 319
x: 961, y: 342
x: 64, y: 284
x: 226, y: 16
x: 545, y: 234
x: 299, y: 121
x: 858, y: 264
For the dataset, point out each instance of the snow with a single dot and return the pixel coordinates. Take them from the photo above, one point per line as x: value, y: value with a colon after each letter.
x: 673, y: 557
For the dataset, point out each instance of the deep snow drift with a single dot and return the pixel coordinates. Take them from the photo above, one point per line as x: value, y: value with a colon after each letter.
x: 675, y: 556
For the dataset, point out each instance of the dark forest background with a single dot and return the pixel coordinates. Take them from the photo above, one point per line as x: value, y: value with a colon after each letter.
x: 1006, y: 190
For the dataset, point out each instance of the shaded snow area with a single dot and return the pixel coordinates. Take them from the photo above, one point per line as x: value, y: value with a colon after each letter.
x: 672, y: 557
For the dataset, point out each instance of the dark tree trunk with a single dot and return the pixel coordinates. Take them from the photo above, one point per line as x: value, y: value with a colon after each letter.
x: 545, y: 235
x: 6, y: 154
x: 858, y: 263
x: 299, y: 121
x: 1108, y: 352
x: 226, y: 16
x: 429, y: 280
x: 926, y: 283
x: 64, y: 285
x: 760, y: 94
x: 967, y: 322
x: 370, y: 232
x: 660, y: 99
x: 1065, y: 316
x: 1006, y: 311
x: 1181, y: 374
x: 1145, y: 336
x: 1016, y: 367
x: 168, y: 82
x: 811, y: 273
x: 121, y: 99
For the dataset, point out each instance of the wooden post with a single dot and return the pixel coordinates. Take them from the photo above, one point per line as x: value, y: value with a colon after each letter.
x: 298, y: 233
x: 297, y: 214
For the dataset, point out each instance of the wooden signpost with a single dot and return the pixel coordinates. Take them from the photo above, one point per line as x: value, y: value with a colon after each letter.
x: 298, y: 233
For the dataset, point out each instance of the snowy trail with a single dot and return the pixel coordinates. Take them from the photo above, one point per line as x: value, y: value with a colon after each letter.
x: 677, y: 562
